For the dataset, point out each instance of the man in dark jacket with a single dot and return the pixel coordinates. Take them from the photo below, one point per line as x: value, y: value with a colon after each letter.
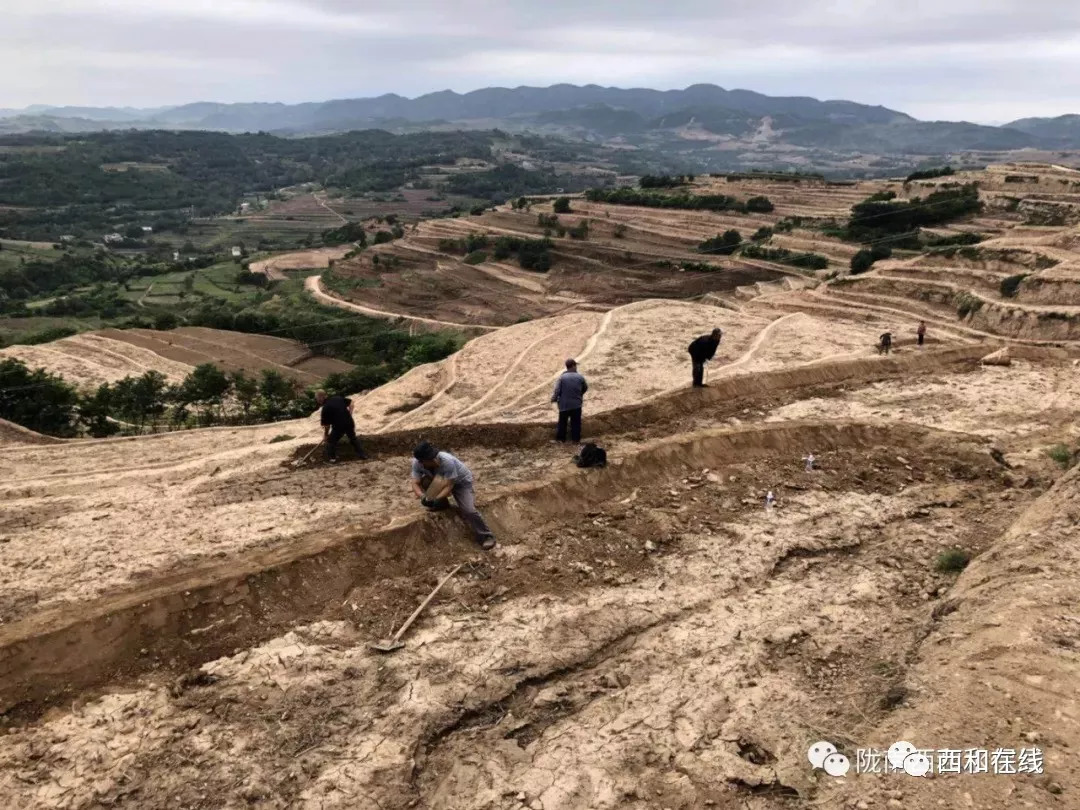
x: 337, y: 421
x: 569, y: 394
x: 702, y: 350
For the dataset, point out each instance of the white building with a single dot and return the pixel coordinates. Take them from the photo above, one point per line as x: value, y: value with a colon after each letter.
x: 237, y: 252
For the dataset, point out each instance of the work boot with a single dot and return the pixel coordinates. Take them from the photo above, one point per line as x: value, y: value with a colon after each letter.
x: 488, y: 543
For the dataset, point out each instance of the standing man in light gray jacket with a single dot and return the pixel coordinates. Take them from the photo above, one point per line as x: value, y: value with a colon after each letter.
x: 569, y: 394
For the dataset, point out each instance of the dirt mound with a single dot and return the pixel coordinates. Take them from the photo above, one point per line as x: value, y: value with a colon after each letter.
x: 10, y: 433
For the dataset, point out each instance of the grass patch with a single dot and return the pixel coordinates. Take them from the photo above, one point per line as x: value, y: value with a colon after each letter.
x: 1061, y: 454
x: 952, y: 561
x: 283, y: 437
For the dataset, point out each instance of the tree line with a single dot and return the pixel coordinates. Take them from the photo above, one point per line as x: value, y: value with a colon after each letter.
x: 686, y: 201
x: 46, y: 403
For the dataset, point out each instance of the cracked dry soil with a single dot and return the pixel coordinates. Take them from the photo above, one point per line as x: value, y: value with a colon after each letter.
x: 678, y: 646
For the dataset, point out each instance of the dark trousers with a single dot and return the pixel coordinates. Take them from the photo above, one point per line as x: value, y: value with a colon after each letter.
x: 336, y: 432
x: 699, y: 372
x: 921, y: 338
x: 573, y: 417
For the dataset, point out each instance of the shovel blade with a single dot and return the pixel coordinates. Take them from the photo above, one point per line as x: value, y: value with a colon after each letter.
x: 387, y: 645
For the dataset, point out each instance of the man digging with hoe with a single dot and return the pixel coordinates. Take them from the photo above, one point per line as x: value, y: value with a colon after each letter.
x: 337, y: 421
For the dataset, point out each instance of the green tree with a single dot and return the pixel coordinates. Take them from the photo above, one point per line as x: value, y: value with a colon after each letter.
x: 164, y: 321
x: 561, y: 205
x: 37, y: 399
x: 149, y: 396
x: 206, y: 387
x: 276, y: 391
x: 95, y: 411
x: 431, y: 349
x: 246, y: 390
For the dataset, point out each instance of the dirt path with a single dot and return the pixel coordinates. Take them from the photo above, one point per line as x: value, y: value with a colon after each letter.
x: 313, y: 285
x: 322, y: 201
x: 141, y: 300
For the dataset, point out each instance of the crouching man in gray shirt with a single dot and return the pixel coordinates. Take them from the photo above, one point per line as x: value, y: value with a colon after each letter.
x: 437, y: 475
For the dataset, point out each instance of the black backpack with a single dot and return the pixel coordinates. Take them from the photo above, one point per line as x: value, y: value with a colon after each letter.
x: 591, y: 456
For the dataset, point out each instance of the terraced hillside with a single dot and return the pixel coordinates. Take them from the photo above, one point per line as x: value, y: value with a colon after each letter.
x: 633, y: 253
x: 187, y: 617
x: 108, y: 355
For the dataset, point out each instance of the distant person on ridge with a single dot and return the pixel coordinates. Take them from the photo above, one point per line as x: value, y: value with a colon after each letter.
x: 702, y: 350
x: 569, y: 395
x: 337, y: 421
x: 437, y: 475
x: 921, y: 332
x: 885, y: 343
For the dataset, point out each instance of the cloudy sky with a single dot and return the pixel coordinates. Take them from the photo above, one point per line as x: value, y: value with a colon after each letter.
x: 979, y: 60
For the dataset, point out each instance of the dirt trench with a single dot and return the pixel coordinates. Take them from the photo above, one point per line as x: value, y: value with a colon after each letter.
x: 665, y: 643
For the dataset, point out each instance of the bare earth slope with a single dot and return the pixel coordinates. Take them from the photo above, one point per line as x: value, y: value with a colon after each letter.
x: 186, y: 618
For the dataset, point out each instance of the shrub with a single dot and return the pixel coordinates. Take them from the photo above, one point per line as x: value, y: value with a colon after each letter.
x: 1011, y: 286
x: 451, y: 246
x: 880, y: 252
x: 620, y: 231
x: 872, y: 218
x: 967, y: 304
x: 282, y: 437
x: 809, y: 261
x: 349, y: 232
x: 723, y: 244
x: 476, y: 257
x: 532, y: 254
x: 952, y: 561
x: 475, y: 241
x: 381, y: 237
x: 861, y: 261
x: 547, y: 220
x: 759, y: 205
x: 662, y: 181
x: 956, y: 239
x: 580, y: 231
x: 762, y: 234
x: 927, y: 174
x: 561, y: 205
x: 1062, y: 455
x: 882, y: 196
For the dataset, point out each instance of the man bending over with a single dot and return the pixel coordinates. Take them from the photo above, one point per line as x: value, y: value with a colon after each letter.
x: 437, y: 475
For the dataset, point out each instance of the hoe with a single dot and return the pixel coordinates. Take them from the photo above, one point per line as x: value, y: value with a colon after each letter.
x: 388, y: 645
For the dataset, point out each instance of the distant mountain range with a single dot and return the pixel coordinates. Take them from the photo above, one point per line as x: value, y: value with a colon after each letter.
x: 702, y: 114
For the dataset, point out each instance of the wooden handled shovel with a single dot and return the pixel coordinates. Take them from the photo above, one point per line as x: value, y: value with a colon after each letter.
x: 387, y: 645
